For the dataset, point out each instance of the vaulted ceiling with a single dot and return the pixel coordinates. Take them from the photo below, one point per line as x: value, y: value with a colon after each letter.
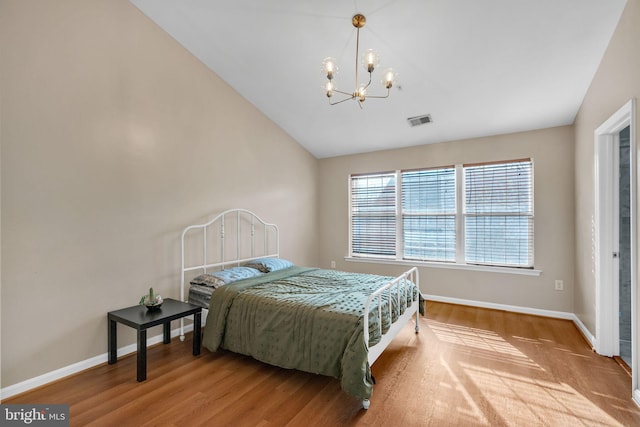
x: 478, y: 67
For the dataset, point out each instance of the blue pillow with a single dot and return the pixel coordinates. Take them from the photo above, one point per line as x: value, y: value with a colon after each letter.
x: 224, y: 277
x: 267, y: 265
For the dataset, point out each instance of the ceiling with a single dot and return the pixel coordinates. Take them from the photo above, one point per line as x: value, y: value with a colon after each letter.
x: 478, y: 67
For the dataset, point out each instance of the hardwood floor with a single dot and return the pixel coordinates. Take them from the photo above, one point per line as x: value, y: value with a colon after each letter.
x: 467, y: 367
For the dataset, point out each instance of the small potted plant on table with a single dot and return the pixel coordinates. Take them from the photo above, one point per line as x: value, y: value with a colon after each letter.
x: 151, y: 300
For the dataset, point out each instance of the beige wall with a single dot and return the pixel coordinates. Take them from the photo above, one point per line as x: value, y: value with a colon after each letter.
x: 552, y: 151
x: 113, y: 139
x: 616, y: 82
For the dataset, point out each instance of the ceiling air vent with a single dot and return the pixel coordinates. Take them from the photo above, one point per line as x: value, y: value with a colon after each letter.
x: 419, y: 120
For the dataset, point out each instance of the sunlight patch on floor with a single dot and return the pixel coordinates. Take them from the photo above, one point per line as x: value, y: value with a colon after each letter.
x: 531, y: 398
x: 472, y: 410
x: 482, y: 343
x: 534, y: 397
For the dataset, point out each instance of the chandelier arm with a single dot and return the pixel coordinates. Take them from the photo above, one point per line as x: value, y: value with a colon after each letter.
x: 369, y: 83
x: 341, y: 101
x: 344, y: 93
x: 378, y: 96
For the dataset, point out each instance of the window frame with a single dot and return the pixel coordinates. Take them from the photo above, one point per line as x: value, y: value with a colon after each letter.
x: 529, y: 215
x: 426, y: 211
x: 460, y: 215
x: 351, y: 220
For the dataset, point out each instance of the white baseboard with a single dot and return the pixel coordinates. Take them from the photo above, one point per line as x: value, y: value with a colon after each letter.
x: 585, y: 332
x: 636, y: 396
x: 41, y: 380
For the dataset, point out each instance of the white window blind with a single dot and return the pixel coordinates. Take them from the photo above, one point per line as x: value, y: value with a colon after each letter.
x: 429, y: 214
x: 469, y: 214
x: 373, y: 215
x: 499, y: 214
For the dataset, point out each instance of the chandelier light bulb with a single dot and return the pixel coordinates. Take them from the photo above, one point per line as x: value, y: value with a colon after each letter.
x: 362, y: 93
x: 388, y: 77
x: 370, y: 60
x: 329, y: 88
x: 329, y: 68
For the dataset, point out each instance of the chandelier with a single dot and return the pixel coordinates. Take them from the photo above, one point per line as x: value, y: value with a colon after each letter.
x: 370, y: 61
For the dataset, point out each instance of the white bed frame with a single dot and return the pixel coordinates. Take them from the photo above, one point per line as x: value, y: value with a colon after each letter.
x: 237, y: 236
x: 206, y: 247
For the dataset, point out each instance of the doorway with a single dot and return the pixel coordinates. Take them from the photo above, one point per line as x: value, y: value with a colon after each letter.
x: 624, y: 244
x: 609, y: 225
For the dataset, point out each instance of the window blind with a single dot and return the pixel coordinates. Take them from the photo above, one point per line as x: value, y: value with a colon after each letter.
x: 499, y: 214
x: 429, y: 214
x: 373, y: 215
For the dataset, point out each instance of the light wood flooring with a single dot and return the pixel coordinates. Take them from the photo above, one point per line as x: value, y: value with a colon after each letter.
x: 467, y: 367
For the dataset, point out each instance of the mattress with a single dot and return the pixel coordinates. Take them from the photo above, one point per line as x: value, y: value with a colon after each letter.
x: 200, y: 295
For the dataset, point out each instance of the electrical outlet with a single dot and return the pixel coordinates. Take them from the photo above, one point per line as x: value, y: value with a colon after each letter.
x: 559, y: 285
x: 333, y: 264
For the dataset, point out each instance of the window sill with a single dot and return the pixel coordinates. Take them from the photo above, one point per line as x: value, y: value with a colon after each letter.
x: 453, y: 266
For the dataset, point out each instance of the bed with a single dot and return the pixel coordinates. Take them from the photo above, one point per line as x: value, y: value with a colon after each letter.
x: 256, y: 303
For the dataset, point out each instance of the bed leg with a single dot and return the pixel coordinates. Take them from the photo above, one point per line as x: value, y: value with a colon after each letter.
x: 181, y: 337
x: 366, y: 403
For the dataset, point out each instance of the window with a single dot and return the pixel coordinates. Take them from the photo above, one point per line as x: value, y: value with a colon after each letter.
x: 429, y: 214
x: 373, y: 215
x: 468, y: 214
x: 499, y: 214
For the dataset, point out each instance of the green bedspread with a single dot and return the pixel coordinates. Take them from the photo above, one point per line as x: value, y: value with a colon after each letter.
x: 301, y: 318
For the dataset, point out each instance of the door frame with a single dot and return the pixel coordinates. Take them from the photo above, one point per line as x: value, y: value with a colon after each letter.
x: 607, y: 304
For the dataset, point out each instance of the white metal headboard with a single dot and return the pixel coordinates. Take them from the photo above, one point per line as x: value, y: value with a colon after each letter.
x: 232, y: 238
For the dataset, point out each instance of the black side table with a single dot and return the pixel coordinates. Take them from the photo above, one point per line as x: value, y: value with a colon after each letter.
x: 139, y: 318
